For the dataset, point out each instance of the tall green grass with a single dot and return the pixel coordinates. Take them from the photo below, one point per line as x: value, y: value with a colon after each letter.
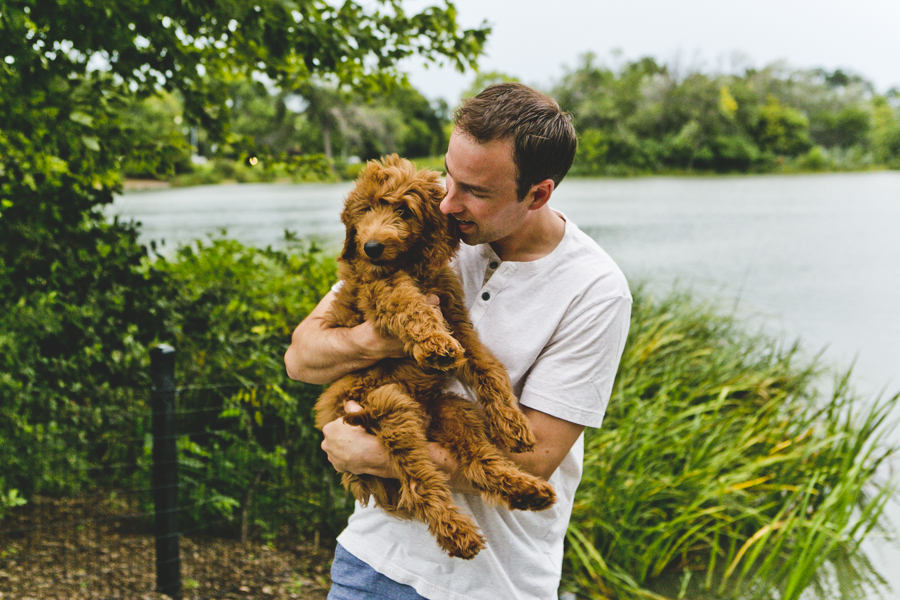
x: 722, y: 471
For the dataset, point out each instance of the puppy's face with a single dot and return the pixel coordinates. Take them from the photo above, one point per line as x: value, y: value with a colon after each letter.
x: 393, y: 213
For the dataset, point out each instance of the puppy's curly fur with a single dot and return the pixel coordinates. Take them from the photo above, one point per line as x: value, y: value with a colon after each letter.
x: 397, y: 251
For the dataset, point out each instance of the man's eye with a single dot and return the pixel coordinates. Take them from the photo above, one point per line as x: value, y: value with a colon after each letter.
x: 470, y: 192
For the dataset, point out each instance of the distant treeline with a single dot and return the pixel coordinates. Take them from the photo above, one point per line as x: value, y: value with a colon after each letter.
x: 637, y: 118
x: 643, y: 117
x: 314, y: 132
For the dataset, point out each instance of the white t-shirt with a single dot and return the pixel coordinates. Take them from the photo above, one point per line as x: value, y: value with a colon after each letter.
x: 559, y: 325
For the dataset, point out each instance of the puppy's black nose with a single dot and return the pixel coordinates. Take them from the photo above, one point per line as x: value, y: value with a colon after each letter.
x: 373, y: 249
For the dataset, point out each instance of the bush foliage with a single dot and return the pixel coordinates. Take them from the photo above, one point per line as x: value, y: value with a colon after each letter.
x: 229, y: 311
x: 250, y: 456
x: 90, y: 91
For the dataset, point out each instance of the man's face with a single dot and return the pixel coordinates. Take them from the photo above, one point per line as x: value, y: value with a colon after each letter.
x: 481, y: 189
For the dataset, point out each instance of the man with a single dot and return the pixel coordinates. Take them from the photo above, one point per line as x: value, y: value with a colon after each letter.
x: 548, y: 302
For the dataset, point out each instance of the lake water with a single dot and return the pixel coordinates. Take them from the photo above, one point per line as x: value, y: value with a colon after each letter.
x: 814, y: 257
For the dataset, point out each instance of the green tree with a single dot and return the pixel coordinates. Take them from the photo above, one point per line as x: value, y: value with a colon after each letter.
x: 782, y: 130
x: 844, y: 129
x: 643, y: 117
x: 603, y: 104
x: 324, y: 104
x: 397, y: 120
x: 885, y: 132
x: 158, y: 138
x: 68, y: 73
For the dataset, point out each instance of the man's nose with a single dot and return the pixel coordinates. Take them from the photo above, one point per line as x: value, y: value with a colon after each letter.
x: 449, y: 205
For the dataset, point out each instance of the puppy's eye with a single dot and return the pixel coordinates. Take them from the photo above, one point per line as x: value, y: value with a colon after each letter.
x: 404, y: 212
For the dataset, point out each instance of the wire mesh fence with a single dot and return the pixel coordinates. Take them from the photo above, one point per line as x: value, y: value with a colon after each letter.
x: 219, y: 491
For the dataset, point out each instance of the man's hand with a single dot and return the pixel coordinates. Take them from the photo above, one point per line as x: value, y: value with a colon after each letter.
x: 352, y: 449
x: 373, y: 344
x: 321, y: 354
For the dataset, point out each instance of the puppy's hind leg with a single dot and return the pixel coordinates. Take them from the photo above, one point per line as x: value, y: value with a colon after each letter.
x: 458, y: 425
x: 399, y: 422
x: 330, y: 405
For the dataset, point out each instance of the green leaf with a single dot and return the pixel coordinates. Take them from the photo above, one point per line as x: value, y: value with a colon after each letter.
x: 83, y: 119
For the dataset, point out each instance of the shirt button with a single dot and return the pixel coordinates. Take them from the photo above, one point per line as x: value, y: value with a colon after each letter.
x: 494, y: 264
x: 485, y: 296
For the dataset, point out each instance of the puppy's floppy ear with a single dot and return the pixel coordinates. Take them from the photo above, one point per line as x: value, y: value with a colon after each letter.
x: 349, y: 251
x: 442, y: 232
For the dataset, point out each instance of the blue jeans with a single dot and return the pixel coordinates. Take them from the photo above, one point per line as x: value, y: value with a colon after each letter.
x: 352, y: 579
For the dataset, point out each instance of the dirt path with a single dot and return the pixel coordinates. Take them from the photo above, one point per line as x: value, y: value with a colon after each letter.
x: 75, y: 552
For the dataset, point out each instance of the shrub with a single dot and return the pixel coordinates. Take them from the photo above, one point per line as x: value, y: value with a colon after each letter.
x: 249, y: 452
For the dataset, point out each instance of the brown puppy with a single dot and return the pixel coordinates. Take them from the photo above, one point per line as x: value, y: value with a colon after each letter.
x: 397, y: 252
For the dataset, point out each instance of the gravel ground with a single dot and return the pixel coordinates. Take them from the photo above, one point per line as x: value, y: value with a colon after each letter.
x: 72, y: 550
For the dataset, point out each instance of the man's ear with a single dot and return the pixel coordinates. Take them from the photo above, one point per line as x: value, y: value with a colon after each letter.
x: 540, y: 193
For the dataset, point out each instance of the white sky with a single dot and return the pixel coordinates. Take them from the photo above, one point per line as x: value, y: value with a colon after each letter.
x: 536, y: 41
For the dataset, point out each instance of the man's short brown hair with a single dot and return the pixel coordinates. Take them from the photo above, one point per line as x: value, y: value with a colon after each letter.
x: 544, y: 140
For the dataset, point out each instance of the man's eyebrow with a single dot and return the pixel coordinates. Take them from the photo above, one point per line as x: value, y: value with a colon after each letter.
x: 473, y: 188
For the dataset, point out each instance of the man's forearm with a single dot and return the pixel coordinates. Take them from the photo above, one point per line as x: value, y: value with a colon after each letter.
x: 446, y: 462
x: 325, y: 356
x: 320, y: 353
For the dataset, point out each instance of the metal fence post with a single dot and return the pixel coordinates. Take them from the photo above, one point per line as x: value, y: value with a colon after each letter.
x: 165, y: 471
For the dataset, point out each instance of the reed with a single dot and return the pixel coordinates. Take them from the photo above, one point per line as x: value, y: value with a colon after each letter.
x: 723, y: 470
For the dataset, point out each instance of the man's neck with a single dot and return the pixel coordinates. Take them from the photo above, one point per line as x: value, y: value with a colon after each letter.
x: 538, y: 237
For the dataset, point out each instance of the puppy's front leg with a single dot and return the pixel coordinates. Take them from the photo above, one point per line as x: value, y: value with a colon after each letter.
x: 507, y: 426
x: 398, y: 307
x: 487, y: 377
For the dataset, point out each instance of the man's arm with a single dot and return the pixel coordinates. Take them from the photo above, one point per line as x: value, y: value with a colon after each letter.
x: 320, y: 353
x: 351, y: 449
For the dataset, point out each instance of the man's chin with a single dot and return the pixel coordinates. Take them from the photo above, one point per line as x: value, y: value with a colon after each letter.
x: 470, y: 239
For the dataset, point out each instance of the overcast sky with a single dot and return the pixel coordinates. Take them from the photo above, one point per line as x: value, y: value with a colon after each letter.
x: 537, y: 40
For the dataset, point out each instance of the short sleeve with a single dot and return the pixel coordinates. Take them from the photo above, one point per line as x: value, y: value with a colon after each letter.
x: 573, y: 376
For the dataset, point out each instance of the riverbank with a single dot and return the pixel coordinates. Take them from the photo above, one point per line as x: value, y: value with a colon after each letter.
x: 229, y: 172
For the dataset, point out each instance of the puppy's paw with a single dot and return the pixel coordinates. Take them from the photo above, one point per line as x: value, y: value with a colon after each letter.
x: 532, y: 495
x: 442, y: 353
x: 460, y: 538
